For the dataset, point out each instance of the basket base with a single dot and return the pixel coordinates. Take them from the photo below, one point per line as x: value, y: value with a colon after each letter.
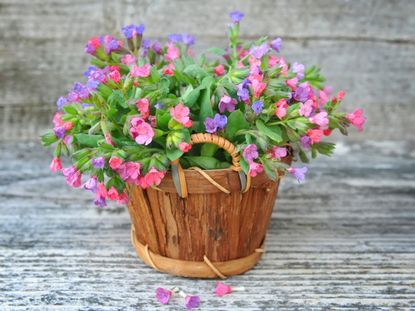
x: 195, y: 269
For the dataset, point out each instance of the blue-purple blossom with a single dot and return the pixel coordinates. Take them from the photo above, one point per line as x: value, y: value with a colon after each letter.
x: 59, y: 132
x: 91, y: 184
x: 298, y: 69
x: 100, y: 201
x: 175, y: 37
x: 156, y: 47
x: 92, y: 84
x: 131, y: 31
x: 61, y: 102
x: 192, y: 302
x: 81, y: 90
x: 218, y: 122
x: 98, y: 162
x: 90, y: 70
x: 236, y: 16
x: 258, y: 106
x: 145, y: 46
x: 258, y: 51
x: 112, y: 45
x: 159, y: 105
x: 188, y: 39
x: 305, y: 142
x: 276, y: 44
x: 302, y: 92
x: 243, y: 91
x: 298, y: 172
x: 226, y: 103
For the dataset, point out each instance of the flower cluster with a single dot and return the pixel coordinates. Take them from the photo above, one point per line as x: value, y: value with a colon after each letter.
x: 142, y: 100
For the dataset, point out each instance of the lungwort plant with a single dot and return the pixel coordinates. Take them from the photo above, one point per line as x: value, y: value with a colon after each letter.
x: 143, y: 99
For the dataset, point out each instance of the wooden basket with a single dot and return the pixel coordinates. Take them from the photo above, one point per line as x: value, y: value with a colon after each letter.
x: 203, y: 223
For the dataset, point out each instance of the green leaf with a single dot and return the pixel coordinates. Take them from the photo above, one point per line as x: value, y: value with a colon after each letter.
x: 244, y: 165
x: 268, y: 168
x: 70, y: 109
x: 173, y: 153
x: 208, y: 150
x: 88, y: 140
x: 205, y: 108
x: 303, y: 156
x: 325, y: 148
x: 190, y: 96
x: 236, y: 122
x: 217, y: 51
x: 195, y: 71
x: 162, y: 119
x: 272, y: 131
x: 207, y: 163
x: 292, y: 135
x: 117, y: 98
x: 48, y: 138
x: 301, y: 124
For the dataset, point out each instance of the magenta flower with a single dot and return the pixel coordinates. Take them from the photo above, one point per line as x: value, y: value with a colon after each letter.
x: 154, y: 177
x: 128, y: 59
x: 292, y: 83
x: 192, y: 302
x: 72, y: 176
x: 222, y: 289
x: 306, y: 109
x: 306, y: 142
x: 163, y: 295
x: 357, y: 119
x: 298, y: 173
x: 315, y: 135
x: 276, y: 44
x: 98, y: 162
x: 115, y: 162
x: 115, y: 76
x: 226, y: 103
x: 321, y: 119
x: 236, y: 16
x: 255, y: 169
x: 173, y: 52
x: 142, y: 71
x: 141, y: 131
x: 303, y: 92
x: 258, y: 87
x: 250, y: 153
x: 184, y: 146
x: 112, y: 194
x: 180, y: 113
x: 156, y: 47
x: 278, y: 152
x: 55, y: 165
x: 219, y: 70
x: 93, y: 44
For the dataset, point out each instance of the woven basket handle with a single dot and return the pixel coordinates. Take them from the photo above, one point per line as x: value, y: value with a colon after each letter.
x: 177, y: 171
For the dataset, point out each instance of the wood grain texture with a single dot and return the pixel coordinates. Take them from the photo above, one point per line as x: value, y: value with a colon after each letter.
x: 365, y: 47
x: 343, y: 240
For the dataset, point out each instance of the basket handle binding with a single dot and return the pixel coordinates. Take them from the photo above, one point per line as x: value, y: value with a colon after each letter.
x: 178, y: 173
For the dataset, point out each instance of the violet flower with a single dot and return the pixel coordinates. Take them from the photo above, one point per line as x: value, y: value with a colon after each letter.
x: 192, y: 302
x: 163, y: 295
x: 258, y: 106
x: 61, y: 102
x: 188, y: 39
x: 298, y: 172
x: 218, y: 122
x: 236, y: 16
x: 98, y: 162
x: 156, y: 47
x: 298, y: 69
x: 226, y: 103
x: 59, y: 132
x: 175, y: 38
x: 243, y: 91
x: 259, y: 51
x: 130, y: 31
x: 276, y: 44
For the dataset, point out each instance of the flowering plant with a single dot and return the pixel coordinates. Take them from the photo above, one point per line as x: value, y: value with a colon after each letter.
x: 143, y: 99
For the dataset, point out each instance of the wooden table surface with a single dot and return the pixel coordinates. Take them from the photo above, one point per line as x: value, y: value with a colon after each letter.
x: 344, y: 239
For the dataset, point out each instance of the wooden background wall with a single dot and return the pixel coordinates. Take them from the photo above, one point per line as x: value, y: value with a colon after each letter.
x: 366, y: 47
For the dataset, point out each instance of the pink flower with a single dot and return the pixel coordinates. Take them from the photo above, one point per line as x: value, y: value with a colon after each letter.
x: 101, y: 190
x: 115, y: 162
x: 142, y: 71
x: 284, y: 67
x: 153, y: 121
x: 320, y: 119
x: 154, y: 177
x: 357, y: 119
x: 91, y: 184
x: 143, y: 105
x: 173, y: 52
x: 55, y: 165
x: 322, y: 98
x: 281, y: 108
x: 141, y: 131
x: 255, y: 168
x: 258, y: 87
x: 306, y: 109
x: 191, y: 302
x: 133, y: 169
x: 108, y: 139
x: 222, y: 289
x: 185, y: 147
x: 128, y: 59
x: 219, y: 70
x: 163, y: 295
x: 113, y: 194
x: 72, y: 176
x: 180, y: 113
x: 292, y: 83
x: 250, y: 153
x: 115, y: 76
x: 169, y: 70
x: 339, y: 97
x: 123, y: 198
x: 273, y: 60
x: 278, y: 152
x: 315, y: 135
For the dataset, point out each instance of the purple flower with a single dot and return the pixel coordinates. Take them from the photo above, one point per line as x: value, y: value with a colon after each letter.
x: 258, y: 51
x: 175, y: 38
x: 226, y: 103
x: 218, y: 122
x: 92, y: 84
x: 110, y: 44
x: 59, y: 132
x: 163, y: 295
x: 243, y: 91
x: 85, y: 106
x: 156, y: 47
x: 258, y: 106
x: 236, y: 16
x: 250, y: 153
x: 90, y: 70
x: 61, y: 102
x: 305, y: 142
x: 145, y: 46
x: 159, y: 105
x: 98, y: 162
x: 91, y: 184
x: 188, y: 39
x: 298, y: 69
x: 72, y: 97
x: 100, y: 201
x: 192, y: 302
x: 131, y: 31
x: 298, y: 173
x: 302, y: 92
x: 276, y: 44
x: 81, y: 90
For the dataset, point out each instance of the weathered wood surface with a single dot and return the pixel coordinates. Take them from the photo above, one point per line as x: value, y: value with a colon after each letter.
x: 366, y: 47
x: 343, y: 240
